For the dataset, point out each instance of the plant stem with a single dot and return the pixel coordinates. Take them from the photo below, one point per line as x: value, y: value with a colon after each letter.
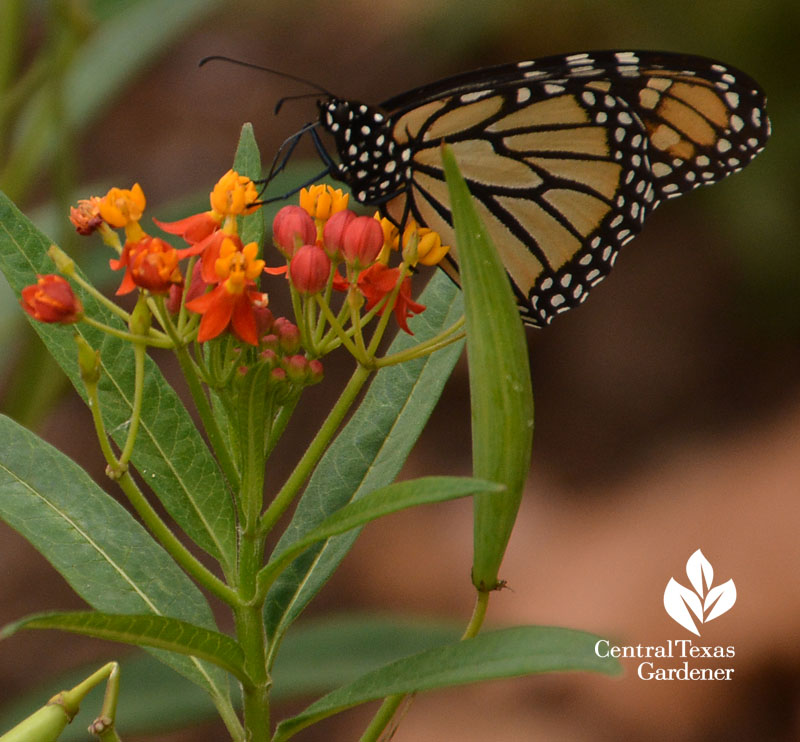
x: 315, y: 450
x: 391, y: 703
x: 478, y: 615
x: 139, y: 356
x: 383, y: 716
x: 251, y: 636
x: 195, y: 569
x: 215, y: 436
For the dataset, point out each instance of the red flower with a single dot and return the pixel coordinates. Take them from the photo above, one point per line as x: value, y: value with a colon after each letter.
x: 309, y: 269
x: 235, y: 300
x: 193, y: 228
x: 291, y: 228
x: 334, y: 229
x: 150, y: 264
x: 51, y: 300
x: 221, y: 308
x: 362, y: 241
x: 378, y: 281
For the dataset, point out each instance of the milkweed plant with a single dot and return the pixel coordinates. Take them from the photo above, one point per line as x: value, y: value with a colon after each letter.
x: 203, y: 516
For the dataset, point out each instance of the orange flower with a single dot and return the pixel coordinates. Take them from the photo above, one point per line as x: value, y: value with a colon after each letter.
x: 235, y: 301
x: 51, y: 300
x: 234, y: 194
x: 193, y: 228
x: 86, y: 217
x: 150, y: 264
x: 322, y: 201
x: 377, y: 281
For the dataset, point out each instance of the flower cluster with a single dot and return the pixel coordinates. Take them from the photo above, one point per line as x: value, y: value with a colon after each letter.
x: 322, y: 234
x: 326, y: 247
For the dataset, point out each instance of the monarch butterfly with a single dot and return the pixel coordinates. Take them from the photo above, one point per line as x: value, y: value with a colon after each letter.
x: 564, y: 155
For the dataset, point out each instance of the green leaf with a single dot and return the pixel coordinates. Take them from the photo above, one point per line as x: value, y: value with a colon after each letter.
x: 367, y: 454
x: 500, y: 381
x: 500, y: 654
x: 160, y: 632
x: 380, y: 502
x: 248, y: 162
x: 95, y: 544
x: 316, y: 656
x: 170, y: 455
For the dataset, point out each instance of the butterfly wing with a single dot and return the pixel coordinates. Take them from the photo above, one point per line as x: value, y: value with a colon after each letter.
x: 565, y: 156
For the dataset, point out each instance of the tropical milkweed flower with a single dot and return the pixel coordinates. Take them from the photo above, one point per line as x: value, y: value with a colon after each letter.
x: 123, y: 208
x: 234, y: 195
x: 150, y: 264
x: 85, y: 217
x: 429, y: 247
x: 51, y: 300
x: 378, y: 281
x: 310, y: 269
x: 291, y: 228
x: 361, y: 241
x: 322, y: 201
x: 235, y: 298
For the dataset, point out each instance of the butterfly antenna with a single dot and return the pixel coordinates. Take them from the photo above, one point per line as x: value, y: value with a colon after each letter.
x: 251, y: 65
x: 283, y: 100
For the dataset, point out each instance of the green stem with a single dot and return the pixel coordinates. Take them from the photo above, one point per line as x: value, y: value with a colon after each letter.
x: 151, y: 519
x: 207, y: 417
x: 392, y: 703
x: 382, y: 717
x: 442, y: 340
x: 139, y: 356
x: 251, y: 636
x: 338, y: 330
x: 174, y: 547
x: 478, y: 615
x: 315, y: 450
x: 156, y: 342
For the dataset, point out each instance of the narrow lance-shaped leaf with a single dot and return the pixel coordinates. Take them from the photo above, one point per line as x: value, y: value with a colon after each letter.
x: 160, y: 632
x: 95, y: 544
x: 248, y: 162
x: 499, y: 654
x: 381, y: 502
x: 500, y: 383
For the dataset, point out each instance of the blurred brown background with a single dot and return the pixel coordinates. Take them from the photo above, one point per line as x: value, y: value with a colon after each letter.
x: 667, y: 407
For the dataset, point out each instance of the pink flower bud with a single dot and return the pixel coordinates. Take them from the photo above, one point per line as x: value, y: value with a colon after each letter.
x: 288, y: 335
x: 362, y: 241
x: 310, y: 269
x: 291, y: 228
x: 315, y: 371
x: 296, y: 368
x: 269, y: 357
x: 334, y: 230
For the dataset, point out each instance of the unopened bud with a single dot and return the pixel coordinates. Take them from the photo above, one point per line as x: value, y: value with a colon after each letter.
x: 88, y: 361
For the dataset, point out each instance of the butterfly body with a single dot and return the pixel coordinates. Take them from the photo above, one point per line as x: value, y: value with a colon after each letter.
x: 565, y: 156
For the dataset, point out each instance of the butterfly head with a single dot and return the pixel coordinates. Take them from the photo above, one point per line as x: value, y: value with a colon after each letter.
x: 368, y: 158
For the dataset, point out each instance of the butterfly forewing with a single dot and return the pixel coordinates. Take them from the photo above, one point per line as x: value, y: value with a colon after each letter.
x: 565, y: 156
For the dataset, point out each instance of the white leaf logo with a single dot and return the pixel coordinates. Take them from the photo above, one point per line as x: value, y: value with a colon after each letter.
x: 704, y: 603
